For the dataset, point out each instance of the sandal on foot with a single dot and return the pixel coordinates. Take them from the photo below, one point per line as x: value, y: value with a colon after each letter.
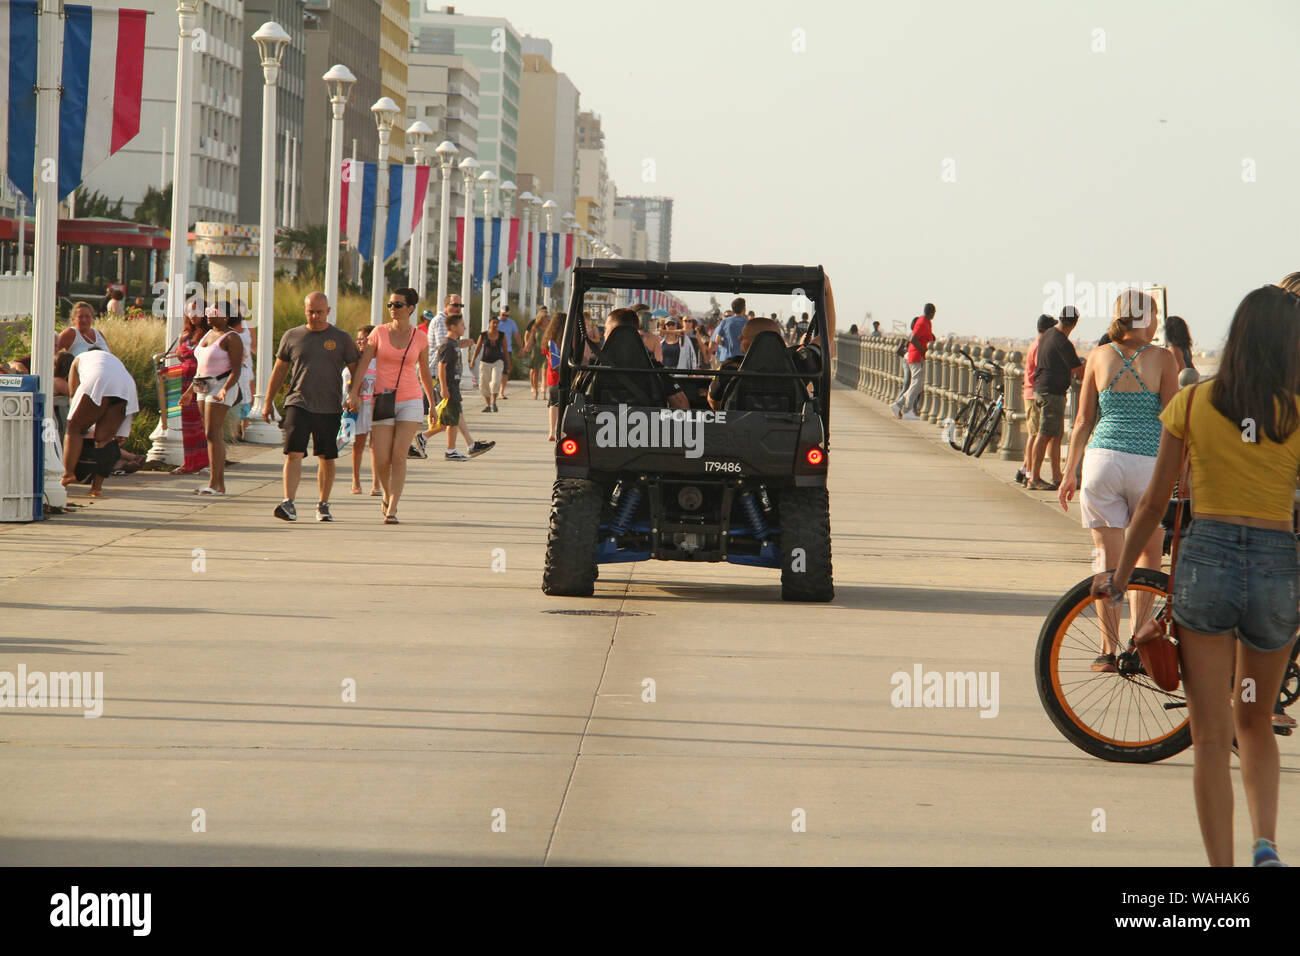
x: 1104, y: 664
x: 391, y: 519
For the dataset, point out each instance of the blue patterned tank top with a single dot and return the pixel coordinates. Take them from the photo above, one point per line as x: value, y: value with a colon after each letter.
x: 1127, y: 421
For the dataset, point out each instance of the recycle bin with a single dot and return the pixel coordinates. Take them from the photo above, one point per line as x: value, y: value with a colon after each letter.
x: 22, y: 450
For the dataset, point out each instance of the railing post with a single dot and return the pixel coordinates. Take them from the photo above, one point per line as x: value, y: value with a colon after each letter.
x: 930, y: 410
x: 1014, y: 431
x: 945, y: 383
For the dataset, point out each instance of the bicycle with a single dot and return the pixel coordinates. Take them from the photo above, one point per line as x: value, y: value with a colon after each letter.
x: 976, y: 408
x: 1120, y: 716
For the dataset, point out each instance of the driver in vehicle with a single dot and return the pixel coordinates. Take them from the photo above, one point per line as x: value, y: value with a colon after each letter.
x: 722, y: 385
x: 676, y: 397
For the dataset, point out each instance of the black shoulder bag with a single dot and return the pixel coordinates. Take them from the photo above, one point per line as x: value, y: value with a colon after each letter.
x: 385, y: 406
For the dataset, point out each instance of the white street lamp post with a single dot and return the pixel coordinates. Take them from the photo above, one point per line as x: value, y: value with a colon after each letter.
x: 488, y: 181
x: 503, y: 244
x: 45, y: 251
x: 570, y: 228
x: 386, y: 113
x: 550, y: 206
x: 416, y: 134
x: 468, y: 167
x: 525, y: 215
x: 271, y: 40
x: 339, y: 81
x: 446, y: 154
x: 534, y: 243
x: 167, y: 445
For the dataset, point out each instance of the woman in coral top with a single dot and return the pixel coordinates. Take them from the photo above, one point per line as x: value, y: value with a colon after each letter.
x: 1235, y: 588
x: 402, y: 365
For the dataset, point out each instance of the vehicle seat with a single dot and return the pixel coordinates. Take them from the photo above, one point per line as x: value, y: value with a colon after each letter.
x: 623, y: 349
x: 767, y: 353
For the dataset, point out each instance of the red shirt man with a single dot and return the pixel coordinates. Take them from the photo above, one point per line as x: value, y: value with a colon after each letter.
x: 922, y: 333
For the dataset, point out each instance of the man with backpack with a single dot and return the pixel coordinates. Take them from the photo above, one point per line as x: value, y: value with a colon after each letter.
x: 917, y: 344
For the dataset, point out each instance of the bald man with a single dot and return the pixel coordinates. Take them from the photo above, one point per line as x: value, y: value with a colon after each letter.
x: 313, y: 356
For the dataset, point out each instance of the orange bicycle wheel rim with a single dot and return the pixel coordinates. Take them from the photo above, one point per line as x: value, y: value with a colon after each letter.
x: 1119, y: 698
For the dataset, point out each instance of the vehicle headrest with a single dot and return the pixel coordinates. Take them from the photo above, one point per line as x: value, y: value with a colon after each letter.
x: 767, y: 353
x: 623, y: 347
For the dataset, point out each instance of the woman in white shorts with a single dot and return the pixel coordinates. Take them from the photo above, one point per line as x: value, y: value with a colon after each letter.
x: 1126, y: 385
x: 220, y: 356
x: 402, y: 355
x: 103, y: 402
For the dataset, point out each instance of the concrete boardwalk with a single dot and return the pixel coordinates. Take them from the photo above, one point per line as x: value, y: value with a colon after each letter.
x: 476, y: 693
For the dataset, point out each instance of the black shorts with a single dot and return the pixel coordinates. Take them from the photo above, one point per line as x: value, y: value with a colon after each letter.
x: 552, y: 395
x: 321, y: 427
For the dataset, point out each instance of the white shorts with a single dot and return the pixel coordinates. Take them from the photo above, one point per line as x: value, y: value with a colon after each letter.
x: 408, y: 411
x: 1113, y: 484
x: 206, y: 389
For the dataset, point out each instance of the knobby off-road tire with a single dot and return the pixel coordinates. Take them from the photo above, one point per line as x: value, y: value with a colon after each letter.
x: 571, y: 544
x: 806, y: 545
x: 990, y: 433
x: 1116, y: 717
x: 965, y: 421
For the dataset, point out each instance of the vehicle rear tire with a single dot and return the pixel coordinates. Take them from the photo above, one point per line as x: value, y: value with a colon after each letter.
x: 806, y: 545
x: 966, y: 419
x: 571, y: 544
x: 990, y: 433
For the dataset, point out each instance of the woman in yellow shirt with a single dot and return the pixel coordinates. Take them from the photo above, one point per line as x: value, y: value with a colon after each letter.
x: 1235, y: 588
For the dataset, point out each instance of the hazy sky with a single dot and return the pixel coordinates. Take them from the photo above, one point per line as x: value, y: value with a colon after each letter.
x: 1062, y: 164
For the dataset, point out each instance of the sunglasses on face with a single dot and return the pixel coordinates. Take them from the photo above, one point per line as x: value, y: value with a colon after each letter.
x: 398, y: 305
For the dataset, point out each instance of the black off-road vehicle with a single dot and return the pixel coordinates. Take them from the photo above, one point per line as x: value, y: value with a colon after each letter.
x: 638, y: 479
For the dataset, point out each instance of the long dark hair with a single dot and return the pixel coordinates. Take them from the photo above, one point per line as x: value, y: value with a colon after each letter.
x: 1259, y: 373
x: 1176, y: 332
x: 410, y: 295
x: 555, y: 329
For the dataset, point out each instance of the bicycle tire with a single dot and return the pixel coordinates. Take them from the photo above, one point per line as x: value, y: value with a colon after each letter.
x: 992, y: 431
x: 972, y: 411
x: 1095, y: 712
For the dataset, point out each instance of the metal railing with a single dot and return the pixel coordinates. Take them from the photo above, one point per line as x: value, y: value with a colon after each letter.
x: 16, y: 295
x: 873, y: 365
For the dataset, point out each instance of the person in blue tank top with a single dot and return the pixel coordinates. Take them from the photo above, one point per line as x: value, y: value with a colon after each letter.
x: 1126, y: 385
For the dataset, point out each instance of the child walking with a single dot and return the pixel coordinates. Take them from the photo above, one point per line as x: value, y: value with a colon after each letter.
x: 449, y: 414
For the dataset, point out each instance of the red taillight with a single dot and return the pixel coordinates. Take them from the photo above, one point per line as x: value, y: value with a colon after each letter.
x: 569, y: 446
x: 815, y: 456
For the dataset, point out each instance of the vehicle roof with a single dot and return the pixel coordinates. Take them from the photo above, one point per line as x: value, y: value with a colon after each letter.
x: 696, y: 276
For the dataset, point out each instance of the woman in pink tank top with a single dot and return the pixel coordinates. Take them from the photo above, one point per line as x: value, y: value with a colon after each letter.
x: 220, y: 357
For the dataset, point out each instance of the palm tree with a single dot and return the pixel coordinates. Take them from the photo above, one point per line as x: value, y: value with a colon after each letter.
x: 312, y: 238
x: 156, y: 208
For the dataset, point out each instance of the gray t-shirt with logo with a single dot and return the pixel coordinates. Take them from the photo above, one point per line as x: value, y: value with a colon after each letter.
x: 316, y: 363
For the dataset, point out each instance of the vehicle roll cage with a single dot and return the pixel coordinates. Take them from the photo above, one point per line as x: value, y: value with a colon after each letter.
x: 609, y: 274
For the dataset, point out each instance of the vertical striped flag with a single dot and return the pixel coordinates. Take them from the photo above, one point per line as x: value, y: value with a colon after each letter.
x: 407, y: 186
x: 102, y: 79
x: 494, y: 264
x: 550, y: 248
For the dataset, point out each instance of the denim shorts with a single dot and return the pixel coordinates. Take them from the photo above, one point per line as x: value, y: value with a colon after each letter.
x: 1233, y: 578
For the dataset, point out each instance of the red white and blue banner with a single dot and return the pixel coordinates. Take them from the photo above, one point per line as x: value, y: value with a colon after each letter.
x: 549, y: 249
x: 408, y: 186
x: 102, y: 79
x: 494, y: 262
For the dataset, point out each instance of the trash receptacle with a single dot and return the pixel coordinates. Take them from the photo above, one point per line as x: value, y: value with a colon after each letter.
x: 22, y: 450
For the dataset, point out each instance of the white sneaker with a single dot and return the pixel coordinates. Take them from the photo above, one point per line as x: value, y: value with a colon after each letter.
x: 911, y: 417
x: 896, y: 410
x: 456, y: 455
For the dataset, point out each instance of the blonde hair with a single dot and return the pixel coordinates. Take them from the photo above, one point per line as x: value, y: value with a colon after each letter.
x: 1291, y: 282
x: 1133, y: 309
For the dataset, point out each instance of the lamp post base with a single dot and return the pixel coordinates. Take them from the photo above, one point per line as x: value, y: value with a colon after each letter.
x: 263, y: 433
x: 167, y: 445
x: 56, y: 495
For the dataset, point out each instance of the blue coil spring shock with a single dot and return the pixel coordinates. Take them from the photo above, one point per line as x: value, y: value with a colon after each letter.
x: 754, y: 516
x: 623, y: 517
